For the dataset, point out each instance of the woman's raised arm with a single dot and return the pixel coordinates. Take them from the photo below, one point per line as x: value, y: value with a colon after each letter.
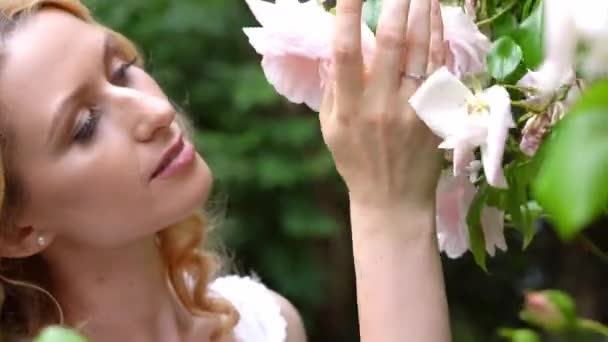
x: 390, y: 164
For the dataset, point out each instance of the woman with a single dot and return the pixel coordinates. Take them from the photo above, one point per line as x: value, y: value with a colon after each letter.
x: 101, y: 186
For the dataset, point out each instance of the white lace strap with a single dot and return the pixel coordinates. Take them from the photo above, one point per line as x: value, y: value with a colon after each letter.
x: 261, y: 319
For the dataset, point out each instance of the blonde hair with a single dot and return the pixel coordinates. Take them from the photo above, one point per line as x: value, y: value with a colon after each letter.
x: 25, y: 306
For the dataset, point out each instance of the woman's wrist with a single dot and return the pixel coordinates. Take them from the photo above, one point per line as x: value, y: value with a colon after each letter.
x: 398, y: 220
x: 413, y: 200
x: 398, y: 271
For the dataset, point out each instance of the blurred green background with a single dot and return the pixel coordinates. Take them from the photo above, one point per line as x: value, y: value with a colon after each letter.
x: 283, y: 205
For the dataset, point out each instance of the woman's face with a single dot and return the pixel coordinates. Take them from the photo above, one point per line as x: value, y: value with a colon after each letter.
x: 87, y: 133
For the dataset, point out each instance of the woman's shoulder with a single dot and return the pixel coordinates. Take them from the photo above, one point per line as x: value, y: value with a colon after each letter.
x: 265, y: 315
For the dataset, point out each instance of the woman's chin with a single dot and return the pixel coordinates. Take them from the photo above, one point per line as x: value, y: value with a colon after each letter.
x: 185, y: 195
x: 197, y: 187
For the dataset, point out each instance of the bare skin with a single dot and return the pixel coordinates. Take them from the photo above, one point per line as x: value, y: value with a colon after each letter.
x: 390, y: 164
x: 92, y: 201
x: 90, y: 196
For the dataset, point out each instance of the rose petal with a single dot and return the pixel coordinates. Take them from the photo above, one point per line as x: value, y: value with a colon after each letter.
x: 436, y: 100
x: 468, y: 46
x: 263, y: 11
x: 500, y: 121
x: 296, y: 78
x: 540, y: 80
x: 590, y: 18
x: 473, y: 170
x: 492, y: 222
x: 297, y: 55
x: 595, y: 63
x: 454, y: 196
x: 463, y: 157
x: 567, y: 23
x: 467, y: 60
x: 560, y: 43
x: 289, y: 15
x: 471, y: 130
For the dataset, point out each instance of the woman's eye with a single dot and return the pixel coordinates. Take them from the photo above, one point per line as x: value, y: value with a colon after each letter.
x: 86, y: 128
x: 121, y: 75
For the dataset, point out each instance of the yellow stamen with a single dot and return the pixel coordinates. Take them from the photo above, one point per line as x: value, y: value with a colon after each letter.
x: 477, y: 106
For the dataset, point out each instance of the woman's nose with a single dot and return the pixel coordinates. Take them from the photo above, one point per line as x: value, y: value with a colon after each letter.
x: 149, y: 113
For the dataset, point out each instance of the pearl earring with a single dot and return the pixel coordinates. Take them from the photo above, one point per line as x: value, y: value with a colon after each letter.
x: 41, y: 240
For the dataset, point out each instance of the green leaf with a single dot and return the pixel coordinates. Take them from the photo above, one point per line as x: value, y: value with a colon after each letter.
x: 516, y: 196
x: 564, y: 302
x: 476, y: 237
x: 552, y: 310
x: 59, y: 334
x: 519, y: 335
x: 503, y: 58
x: 529, y: 36
x: 533, y: 212
x: 524, y: 335
x: 371, y: 13
x: 488, y: 8
x: 572, y: 185
x: 522, y: 211
x: 527, y: 8
x: 504, y: 25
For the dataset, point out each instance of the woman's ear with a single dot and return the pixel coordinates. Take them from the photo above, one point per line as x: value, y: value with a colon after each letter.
x: 24, y: 242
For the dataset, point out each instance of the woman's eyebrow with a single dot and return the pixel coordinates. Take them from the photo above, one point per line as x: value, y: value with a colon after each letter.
x: 64, y: 112
x: 110, y: 48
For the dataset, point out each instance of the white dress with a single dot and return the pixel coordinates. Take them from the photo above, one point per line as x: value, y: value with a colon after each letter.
x: 261, y: 319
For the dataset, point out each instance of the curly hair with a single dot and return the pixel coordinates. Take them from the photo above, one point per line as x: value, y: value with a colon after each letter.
x: 25, y: 306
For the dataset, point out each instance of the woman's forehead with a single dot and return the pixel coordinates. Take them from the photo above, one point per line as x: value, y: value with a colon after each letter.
x: 49, y: 38
x: 45, y: 58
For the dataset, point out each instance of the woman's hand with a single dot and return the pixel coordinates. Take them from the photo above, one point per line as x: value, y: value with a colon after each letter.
x: 384, y: 153
x: 390, y: 163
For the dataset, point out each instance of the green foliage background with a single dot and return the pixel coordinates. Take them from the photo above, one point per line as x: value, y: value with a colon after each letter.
x: 284, y: 206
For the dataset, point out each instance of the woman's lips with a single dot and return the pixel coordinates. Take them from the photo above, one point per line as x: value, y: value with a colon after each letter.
x: 180, y: 154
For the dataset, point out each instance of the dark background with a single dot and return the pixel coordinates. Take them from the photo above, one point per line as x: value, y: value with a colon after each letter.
x: 283, y: 207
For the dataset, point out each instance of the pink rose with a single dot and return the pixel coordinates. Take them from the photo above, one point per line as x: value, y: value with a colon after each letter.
x: 468, y: 47
x: 295, y: 42
x: 454, y: 197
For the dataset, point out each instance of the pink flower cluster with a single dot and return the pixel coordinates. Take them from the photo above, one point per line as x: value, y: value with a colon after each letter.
x: 295, y: 41
x: 296, y: 54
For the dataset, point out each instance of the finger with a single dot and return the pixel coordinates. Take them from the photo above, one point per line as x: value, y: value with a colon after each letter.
x: 327, y: 108
x: 437, y: 48
x: 327, y: 103
x: 417, y: 40
x: 348, y: 61
x: 390, y: 43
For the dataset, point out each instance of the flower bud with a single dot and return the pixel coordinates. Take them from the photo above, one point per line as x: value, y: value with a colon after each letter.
x: 524, y: 335
x: 519, y: 335
x: 533, y: 132
x: 549, y: 309
x: 59, y: 334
